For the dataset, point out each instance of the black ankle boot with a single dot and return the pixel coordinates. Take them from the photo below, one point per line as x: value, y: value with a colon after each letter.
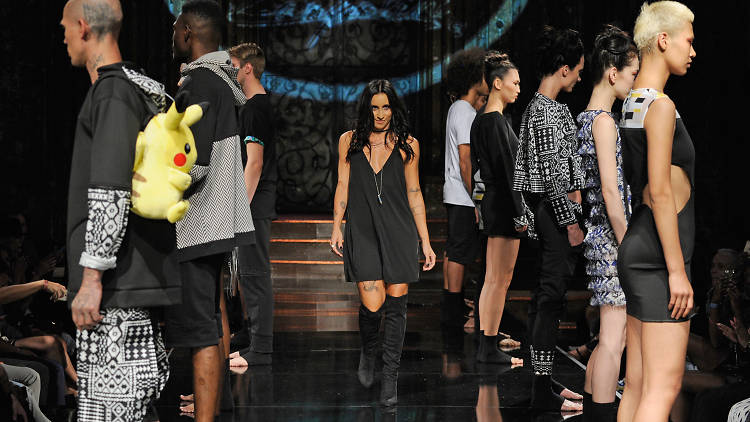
x: 587, y: 411
x: 240, y: 339
x: 601, y: 412
x: 393, y: 343
x: 369, y: 326
x: 487, y: 352
x: 542, y: 396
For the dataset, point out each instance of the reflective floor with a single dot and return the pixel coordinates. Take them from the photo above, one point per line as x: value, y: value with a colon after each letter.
x: 313, y: 378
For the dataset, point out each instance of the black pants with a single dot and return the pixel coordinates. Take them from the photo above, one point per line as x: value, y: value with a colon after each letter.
x: 557, y: 266
x: 254, y: 264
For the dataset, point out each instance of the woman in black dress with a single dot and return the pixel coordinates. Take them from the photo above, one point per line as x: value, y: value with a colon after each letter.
x: 654, y: 257
x: 493, y: 146
x: 378, y: 190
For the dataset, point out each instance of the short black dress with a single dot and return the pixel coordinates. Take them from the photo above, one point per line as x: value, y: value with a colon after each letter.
x: 641, y: 264
x: 493, y: 149
x: 380, y: 236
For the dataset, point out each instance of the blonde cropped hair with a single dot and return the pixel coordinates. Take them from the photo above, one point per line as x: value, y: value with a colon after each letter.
x: 657, y: 17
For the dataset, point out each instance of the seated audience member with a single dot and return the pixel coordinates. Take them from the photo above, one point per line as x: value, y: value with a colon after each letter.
x: 29, y: 380
x: 721, y: 361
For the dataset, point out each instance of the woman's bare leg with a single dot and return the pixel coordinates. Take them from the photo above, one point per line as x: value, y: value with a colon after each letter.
x: 604, y: 364
x: 501, y: 259
x: 663, y: 346
x: 631, y: 397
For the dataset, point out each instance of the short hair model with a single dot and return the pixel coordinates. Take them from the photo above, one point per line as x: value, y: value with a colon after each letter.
x: 613, y: 47
x: 657, y: 17
x: 557, y: 48
x: 464, y: 71
x: 250, y: 52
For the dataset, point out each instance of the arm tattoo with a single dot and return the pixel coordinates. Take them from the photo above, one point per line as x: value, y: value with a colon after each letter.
x: 342, y: 204
x: 415, y: 190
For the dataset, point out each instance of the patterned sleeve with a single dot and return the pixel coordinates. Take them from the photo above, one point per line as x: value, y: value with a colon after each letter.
x: 105, y: 228
x: 550, y: 147
x: 116, y: 124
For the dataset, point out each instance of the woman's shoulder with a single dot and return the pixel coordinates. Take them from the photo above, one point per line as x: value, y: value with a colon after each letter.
x: 346, y: 137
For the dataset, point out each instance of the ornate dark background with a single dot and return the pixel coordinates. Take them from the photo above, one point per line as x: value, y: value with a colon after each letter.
x: 319, y: 50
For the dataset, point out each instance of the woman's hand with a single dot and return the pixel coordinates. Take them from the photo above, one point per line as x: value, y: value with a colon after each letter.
x: 429, y: 256
x: 337, y: 242
x: 681, y: 295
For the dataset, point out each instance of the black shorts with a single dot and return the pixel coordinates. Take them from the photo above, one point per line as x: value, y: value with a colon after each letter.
x: 197, y: 321
x: 462, y: 246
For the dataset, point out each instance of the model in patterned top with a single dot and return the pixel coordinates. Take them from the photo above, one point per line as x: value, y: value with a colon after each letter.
x: 613, y: 64
x: 548, y: 171
x: 654, y: 257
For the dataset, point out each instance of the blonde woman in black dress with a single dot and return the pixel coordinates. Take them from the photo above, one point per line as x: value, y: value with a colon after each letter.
x: 378, y: 191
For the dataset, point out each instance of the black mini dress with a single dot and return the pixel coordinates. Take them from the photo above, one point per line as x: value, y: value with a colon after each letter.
x: 380, y: 236
x: 493, y: 149
x: 641, y: 264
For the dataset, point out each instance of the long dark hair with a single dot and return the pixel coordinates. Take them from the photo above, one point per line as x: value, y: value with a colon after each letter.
x: 365, y: 124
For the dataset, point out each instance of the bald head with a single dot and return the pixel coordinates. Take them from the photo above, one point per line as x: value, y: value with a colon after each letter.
x: 104, y: 17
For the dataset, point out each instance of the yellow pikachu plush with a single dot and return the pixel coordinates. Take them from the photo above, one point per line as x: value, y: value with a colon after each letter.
x: 164, y: 154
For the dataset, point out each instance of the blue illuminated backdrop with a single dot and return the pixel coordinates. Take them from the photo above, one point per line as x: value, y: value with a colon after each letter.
x: 320, y: 53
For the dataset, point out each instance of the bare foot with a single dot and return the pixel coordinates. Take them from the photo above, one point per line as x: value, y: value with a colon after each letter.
x: 516, y: 362
x: 234, y: 355
x: 187, y: 407
x: 189, y: 398
x: 570, y: 395
x: 237, y: 362
x: 571, y: 406
x: 507, y: 341
x: 469, y: 326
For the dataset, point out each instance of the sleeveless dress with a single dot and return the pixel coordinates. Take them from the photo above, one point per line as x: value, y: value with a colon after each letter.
x: 380, y: 239
x: 600, y: 244
x: 641, y: 265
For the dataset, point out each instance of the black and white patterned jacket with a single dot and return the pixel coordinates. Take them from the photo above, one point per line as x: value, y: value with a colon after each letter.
x: 219, y: 216
x: 547, y: 162
x: 136, y: 255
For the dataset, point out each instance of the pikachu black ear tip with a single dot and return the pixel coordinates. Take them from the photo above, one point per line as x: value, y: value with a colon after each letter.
x: 181, y: 101
x: 205, y: 105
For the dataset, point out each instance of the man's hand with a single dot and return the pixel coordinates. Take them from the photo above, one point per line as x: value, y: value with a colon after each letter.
x: 56, y: 290
x: 575, y: 234
x: 85, y: 307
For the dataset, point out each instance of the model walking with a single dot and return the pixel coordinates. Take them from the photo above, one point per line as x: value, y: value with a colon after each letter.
x: 614, y: 64
x: 378, y: 190
x: 654, y: 258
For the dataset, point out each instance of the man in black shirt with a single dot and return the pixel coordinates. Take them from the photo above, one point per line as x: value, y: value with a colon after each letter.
x: 256, y: 133
x: 219, y: 216
x: 120, y: 265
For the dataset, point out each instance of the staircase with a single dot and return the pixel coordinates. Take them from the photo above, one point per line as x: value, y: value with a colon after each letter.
x: 312, y: 295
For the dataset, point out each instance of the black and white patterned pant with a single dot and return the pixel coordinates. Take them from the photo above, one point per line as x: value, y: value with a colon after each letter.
x: 122, y: 366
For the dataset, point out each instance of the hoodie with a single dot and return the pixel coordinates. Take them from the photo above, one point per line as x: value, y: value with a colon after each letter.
x: 219, y: 215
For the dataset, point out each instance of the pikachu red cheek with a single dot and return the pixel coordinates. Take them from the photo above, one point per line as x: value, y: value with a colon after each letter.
x: 180, y: 160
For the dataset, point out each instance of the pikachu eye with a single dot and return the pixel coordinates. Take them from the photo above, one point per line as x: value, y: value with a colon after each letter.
x: 187, y: 148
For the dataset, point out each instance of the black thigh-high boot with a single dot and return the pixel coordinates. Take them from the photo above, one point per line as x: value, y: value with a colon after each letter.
x: 369, y: 327
x: 393, y: 343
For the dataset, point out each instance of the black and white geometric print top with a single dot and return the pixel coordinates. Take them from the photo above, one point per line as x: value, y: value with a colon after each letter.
x: 109, y: 206
x: 547, y: 162
x: 219, y: 217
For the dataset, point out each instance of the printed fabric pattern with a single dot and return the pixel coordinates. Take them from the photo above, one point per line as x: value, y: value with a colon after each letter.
x: 105, y: 228
x: 547, y: 162
x: 122, y: 366
x: 600, y: 244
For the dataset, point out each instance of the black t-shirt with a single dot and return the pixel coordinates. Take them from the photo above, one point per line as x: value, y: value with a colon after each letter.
x: 256, y: 126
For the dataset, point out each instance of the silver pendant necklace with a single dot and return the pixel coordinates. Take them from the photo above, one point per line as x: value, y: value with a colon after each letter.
x: 378, y: 189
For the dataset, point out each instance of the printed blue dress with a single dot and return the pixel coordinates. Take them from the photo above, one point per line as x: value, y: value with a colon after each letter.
x: 600, y: 244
